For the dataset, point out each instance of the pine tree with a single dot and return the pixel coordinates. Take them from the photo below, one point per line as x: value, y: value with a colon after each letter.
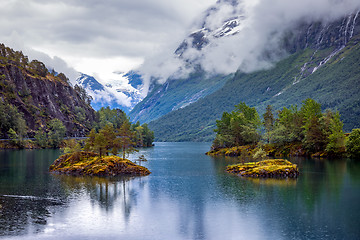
x: 268, y: 122
x: 125, y: 136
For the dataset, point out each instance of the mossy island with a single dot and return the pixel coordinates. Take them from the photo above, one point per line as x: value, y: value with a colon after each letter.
x: 274, y: 168
x: 91, y: 164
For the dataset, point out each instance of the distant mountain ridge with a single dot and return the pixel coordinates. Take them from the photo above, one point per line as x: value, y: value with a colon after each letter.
x: 180, y: 92
x: 323, y: 63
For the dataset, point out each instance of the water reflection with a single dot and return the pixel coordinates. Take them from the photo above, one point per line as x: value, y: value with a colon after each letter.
x: 26, y: 193
x: 105, y: 192
x: 188, y: 196
x: 321, y: 203
x: 24, y: 214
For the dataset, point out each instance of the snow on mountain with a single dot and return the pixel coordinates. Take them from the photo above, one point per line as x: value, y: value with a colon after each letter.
x: 131, y: 88
x: 115, y: 93
x: 224, y: 19
x: 244, y: 36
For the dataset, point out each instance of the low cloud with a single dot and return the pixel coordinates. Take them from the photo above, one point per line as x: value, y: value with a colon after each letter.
x: 87, y: 35
x: 75, y: 30
x: 58, y: 64
x: 262, y: 25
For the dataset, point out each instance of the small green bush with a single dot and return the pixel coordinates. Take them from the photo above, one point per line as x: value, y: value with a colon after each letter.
x: 353, y: 143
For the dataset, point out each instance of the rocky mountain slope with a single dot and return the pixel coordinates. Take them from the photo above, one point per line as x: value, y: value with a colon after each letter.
x: 322, y: 62
x: 179, y: 92
x: 176, y: 94
x: 41, y: 96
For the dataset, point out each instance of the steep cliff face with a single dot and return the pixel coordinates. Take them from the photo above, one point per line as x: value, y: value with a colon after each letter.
x: 42, y: 96
x: 322, y: 35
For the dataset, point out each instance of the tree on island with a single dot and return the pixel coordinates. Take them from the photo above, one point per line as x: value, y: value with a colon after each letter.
x: 308, y: 127
x: 110, y: 140
x: 141, y: 159
x: 268, y: 122
x: 126, y: 144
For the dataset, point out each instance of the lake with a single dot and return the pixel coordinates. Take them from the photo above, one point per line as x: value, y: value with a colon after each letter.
x: 188, y: 196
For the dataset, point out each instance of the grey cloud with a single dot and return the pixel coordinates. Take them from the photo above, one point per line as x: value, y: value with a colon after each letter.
x: 98, y: 28
x: 54, y: 63
x: 94, y: 29
x: 264, y: 24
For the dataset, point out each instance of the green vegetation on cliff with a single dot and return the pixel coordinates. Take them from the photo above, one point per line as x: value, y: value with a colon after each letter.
x: 12, y: 123
x: 31, y: 97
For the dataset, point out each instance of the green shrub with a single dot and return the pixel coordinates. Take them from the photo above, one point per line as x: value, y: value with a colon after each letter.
x: 353, y: 143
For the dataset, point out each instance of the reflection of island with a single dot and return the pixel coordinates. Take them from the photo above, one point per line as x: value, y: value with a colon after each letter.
x: 288, y: 182
x: 317, y: 202
x: 106, y: 192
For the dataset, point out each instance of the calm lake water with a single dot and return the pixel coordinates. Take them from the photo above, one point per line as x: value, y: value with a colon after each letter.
x: 187, y: 196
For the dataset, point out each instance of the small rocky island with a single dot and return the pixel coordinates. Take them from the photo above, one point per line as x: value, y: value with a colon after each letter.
x: 275, y: 168
x: 91, y: 164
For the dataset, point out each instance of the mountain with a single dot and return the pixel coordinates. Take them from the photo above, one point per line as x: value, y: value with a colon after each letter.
x: 176, y: 94
x: 40, y: 96
x: 322, y: 62
x: 114, y: 94
x: 179, y: 92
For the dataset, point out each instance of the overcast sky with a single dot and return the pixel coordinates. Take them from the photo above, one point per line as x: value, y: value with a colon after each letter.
x: 96, y: 37
x: 100, y: 37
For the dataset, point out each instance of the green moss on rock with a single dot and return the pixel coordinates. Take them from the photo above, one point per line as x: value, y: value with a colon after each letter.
x: 279, y: 168
x: 89, y: 163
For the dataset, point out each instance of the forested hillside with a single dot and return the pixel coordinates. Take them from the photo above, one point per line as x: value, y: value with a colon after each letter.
x: 176, y: 94
x: 326, y: 68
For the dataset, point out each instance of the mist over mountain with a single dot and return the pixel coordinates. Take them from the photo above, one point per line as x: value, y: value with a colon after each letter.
x: 245, y: 35
x: 241, y: 44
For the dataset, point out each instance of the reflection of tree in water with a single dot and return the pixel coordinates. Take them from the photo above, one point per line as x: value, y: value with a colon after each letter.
x: 106, y: 192
x: 238, y: 187
x: 312, y: 206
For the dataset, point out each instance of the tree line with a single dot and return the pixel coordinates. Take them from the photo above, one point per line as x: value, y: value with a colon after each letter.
x: 112, y: 131
x: 113, y: 134
x: 308, y: 126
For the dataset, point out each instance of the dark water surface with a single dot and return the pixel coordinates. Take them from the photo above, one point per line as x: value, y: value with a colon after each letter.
x: 187, y: 196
